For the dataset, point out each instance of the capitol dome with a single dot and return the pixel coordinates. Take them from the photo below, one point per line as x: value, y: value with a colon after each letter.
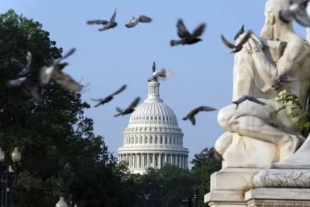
x: 153, y: 137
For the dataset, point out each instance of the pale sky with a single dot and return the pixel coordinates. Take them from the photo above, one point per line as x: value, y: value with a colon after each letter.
x: 120, y: 56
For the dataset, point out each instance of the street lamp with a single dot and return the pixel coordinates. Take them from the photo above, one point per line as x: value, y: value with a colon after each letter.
x: 61, y: 203
x: 196, y: 192
x: 8, y: 175
x: 16, y: 155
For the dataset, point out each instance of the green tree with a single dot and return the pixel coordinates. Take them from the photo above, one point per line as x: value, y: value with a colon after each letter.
x: 201, y: 172
x: 165, y: 187
x: 55, y: 138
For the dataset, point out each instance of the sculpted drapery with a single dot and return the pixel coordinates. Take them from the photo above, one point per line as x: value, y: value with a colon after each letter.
x: 278, y: 51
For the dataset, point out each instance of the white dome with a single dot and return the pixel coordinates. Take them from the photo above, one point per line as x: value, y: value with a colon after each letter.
x: 153, y: 113
x: 153, y: 136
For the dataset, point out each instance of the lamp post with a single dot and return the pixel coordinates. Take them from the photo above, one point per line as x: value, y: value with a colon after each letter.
x: 8, y: 175
x: 61, y: 203
x: 196, y: 193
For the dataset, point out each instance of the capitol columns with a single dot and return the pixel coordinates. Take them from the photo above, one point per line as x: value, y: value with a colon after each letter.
x: 153, y: 157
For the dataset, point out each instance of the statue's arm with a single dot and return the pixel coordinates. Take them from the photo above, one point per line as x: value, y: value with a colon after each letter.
x: 268, y: 71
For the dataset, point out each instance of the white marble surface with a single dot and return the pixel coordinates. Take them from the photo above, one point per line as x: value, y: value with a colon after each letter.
x: 254, y: 73
x: 270, y: 197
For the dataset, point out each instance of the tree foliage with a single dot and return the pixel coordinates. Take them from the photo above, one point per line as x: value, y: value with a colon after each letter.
x: 201, y: 172
x: 296, y: 111
x: 60, y: 153
x: 55, y: 138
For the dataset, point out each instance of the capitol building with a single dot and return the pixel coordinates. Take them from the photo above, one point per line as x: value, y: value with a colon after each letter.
x: 153, y: 137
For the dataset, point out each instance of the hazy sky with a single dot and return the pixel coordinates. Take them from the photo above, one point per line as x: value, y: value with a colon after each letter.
x: 120, y: 56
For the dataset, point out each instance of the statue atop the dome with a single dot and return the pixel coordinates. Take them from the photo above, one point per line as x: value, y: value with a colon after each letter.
x: 153, y: 67
x: 251, y: 133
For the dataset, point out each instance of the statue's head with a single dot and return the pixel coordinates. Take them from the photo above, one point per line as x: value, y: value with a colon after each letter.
x: 272, y: 19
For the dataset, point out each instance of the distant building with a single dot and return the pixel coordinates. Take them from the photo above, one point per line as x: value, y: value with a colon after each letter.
x: 153, y: 137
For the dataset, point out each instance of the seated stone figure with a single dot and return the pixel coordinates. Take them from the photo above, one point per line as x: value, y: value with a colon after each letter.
x: 252, y: 137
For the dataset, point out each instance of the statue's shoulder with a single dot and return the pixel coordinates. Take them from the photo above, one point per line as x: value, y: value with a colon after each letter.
x: 297, y: 46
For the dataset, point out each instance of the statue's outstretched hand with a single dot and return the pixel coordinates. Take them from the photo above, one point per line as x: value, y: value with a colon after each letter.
x: 252, y: 44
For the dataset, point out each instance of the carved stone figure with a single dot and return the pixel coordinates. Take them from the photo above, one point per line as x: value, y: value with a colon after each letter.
x: 250, y: 131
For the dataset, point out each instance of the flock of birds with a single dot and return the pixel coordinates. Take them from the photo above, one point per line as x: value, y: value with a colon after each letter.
x: 31, y: 84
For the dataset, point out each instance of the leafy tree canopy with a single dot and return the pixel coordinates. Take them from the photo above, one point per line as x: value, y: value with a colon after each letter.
x: 55, y: 138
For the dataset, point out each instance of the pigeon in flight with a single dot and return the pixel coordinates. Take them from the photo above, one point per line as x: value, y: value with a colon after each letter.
x: 55, y: 72
x: 249, y: 98
x: 107, y: 99
x: 240, y: 32
x: 192, y: 113
x: 297, y: 10
x: 29, y: 86
x: 279, y: 82
x: 161, y: 74
x: 25, y: 68
x: 107, y: 25
x: 208, y: 153
x: 238, y: 47
x: 186, y: 37
x: 128, y: 110
x: 134, y: 21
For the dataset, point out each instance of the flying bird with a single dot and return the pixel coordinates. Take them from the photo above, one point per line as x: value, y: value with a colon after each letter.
x: 249, y: 98
x: 128, y: 110
x: 161, y: 74
x: 29, y: 86
x: 134, y: 21
x: 186, y: 37
x: 192, y: 113
x: 107, y: 99
x: 240, y: 32
x: 55, y: 72
x: 208, y: 153
x: 282, y: 79
x: 297, y: 10
x: 25, y: 68
x: 238, y: 47
x: 107, y: 24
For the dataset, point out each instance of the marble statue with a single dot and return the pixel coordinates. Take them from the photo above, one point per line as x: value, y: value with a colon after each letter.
x: 250, y: 131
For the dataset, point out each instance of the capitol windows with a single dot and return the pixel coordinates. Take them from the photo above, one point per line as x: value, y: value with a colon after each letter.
x: 169, y: 140
x: 132, y: 140
x: 173, y: 140
x: 151, y: 140
x: 140, y: 141
x: 155, y: 140
x: 145, y: 140
x: 136, y: 140
x: 161, y: 140
x: 128, y: 140
x: 165, y: 140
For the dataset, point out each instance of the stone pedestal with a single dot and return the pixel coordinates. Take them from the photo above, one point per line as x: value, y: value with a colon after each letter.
x: 245, y: 152
x: 229, y: 185
x: 278, y: 197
